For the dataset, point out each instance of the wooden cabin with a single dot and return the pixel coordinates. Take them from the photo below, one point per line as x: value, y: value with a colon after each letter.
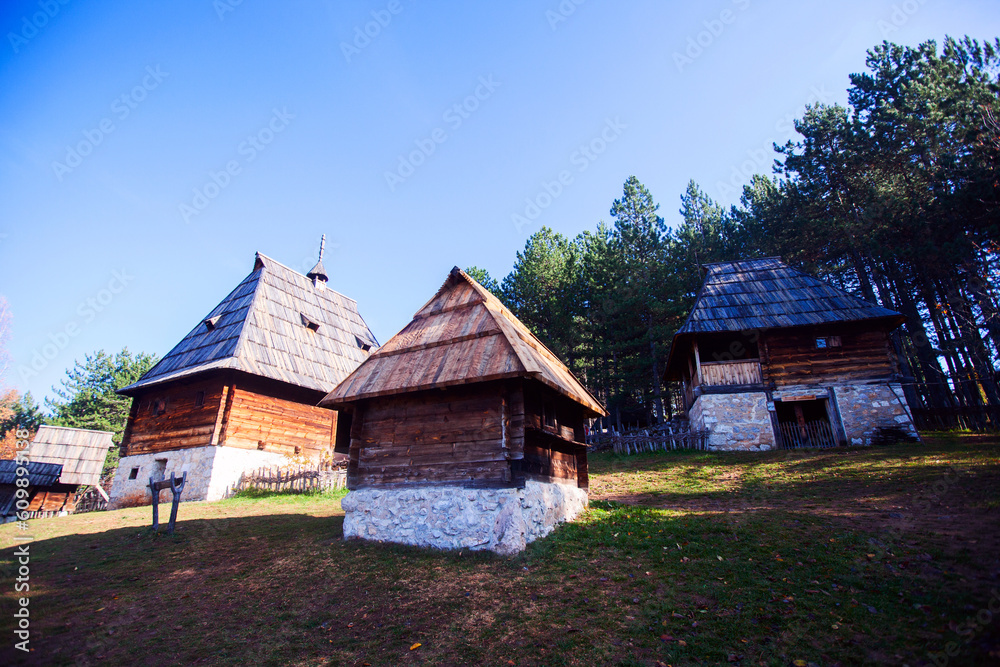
x: 463, y: 430
x: 773, y: 357
x: 239, y: 392
x: 61, y: 462
x: 46, y: 496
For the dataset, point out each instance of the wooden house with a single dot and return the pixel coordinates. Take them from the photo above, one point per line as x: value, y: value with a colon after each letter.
x: 46, y: 495
x: 773, y: 357
x: 240, y: 390
x: 465, y: 431
x: 62, y: 461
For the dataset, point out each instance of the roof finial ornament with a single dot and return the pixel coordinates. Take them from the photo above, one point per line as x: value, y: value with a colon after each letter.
x: 318, y: 274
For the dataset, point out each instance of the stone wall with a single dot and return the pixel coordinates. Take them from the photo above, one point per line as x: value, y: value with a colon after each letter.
x: 734, y: 421
x: 864, y: 408
x: 452, y: 517
x: 212, y: 472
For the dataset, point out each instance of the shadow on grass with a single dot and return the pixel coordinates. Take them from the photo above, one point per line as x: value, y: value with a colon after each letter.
x: 286, y: 588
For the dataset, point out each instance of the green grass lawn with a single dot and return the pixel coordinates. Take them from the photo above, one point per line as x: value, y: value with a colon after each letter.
x: 847, y: 556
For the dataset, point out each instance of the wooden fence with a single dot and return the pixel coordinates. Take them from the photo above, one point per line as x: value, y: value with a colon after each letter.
x: 812, y: 434
x: 979, y: 418
x: 717, y: 373
x: 655, y: 439
x: 294, y: 479
x: 90, y: 501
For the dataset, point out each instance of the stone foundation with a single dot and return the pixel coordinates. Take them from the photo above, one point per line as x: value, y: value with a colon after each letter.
x: 212, y: 472
x: 734, y: 421
x: 452, y: 517
x: 864, y: 408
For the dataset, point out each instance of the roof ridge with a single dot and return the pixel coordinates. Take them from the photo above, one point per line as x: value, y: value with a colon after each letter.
x: 288, y: 268
x: 508, y: 319
x: 238, y: 352
x: 73, y: 428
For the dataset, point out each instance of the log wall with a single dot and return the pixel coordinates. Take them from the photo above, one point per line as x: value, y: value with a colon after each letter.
x: 457, y: 436
x: 235, y: 412
x: 484, y: 434
x: 790, y: 357
x: 183, y: 424
x: 259, y: 421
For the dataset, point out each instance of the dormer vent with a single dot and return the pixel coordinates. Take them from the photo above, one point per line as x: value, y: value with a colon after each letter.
x: 211, y: 323
x: 308, y: 323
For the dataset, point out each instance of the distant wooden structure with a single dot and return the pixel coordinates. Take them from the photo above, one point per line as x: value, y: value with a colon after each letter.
x: 240, y: 390
x: 773, y: 357
x: 46, y: 496
x: 75, y: 455
x: 316, y: 477
x: 468, y: 405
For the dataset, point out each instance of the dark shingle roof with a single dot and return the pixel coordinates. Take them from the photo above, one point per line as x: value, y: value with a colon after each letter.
x: 767, y: 293
x: 39, y: 474
x: 261, y: 329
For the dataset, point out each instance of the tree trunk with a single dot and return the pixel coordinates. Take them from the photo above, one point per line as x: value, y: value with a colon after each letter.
x: 657, y: 398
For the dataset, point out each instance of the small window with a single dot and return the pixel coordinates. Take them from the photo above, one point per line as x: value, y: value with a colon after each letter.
x: 549, y: 415
x: 211, y: 323
x: 308, y: 323
x: 134, y: 473
x: 261, y: 445
x: 827, y: 341
x: 298, y: 450
x: 157, y: 407
x: 199, y: 399
x: 364, y: 345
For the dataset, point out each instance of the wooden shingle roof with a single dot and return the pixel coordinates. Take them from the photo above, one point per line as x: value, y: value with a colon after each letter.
x: 276, y: 324
x: 462, y: 335
x: 39, y: 474
x: 80, y: 452
x: 767, y: 293
x: 758, y: 294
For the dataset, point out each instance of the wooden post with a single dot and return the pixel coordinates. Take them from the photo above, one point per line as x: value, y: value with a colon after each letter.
x: 697, y: 363
x: 156, y: 502
x: 176, y: 489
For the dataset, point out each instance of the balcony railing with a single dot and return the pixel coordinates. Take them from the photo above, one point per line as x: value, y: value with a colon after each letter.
x: 722, y: 373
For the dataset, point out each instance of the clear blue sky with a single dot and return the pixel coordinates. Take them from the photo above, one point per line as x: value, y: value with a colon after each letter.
x: 114, y: 114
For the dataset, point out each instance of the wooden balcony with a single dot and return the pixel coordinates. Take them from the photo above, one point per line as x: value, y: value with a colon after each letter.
x: 727, y: 373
